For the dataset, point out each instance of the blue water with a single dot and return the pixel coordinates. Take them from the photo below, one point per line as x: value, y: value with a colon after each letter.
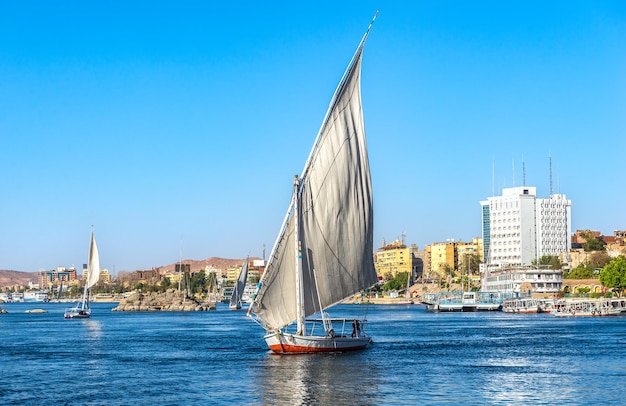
x: 219, y: 357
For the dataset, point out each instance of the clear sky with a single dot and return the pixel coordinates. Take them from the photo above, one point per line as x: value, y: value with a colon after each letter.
x: 181, y: 123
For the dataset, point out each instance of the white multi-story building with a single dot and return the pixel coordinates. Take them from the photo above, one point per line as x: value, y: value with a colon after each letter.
x: 519, y: 228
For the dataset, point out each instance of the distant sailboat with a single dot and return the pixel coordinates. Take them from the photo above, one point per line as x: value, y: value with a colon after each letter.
x: 59, y: 293
x: 324, y: 251
x: 82, y: 310
x: 235, y: 299
x: 407, y: 294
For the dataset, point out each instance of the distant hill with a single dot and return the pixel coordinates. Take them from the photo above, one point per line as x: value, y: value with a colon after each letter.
x: 11, y: 278
x: 195, y: 266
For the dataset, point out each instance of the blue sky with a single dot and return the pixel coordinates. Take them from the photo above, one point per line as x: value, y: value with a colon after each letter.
x: 164, y: 122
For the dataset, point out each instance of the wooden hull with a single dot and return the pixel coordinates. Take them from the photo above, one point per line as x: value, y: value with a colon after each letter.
x: 284, y: 343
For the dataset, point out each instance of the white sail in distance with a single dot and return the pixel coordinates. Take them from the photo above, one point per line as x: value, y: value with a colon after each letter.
x: 93, y: 266
x: 335, y: 217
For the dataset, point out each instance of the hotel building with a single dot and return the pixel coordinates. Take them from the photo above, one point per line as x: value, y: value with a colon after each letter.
x: 519, y: 228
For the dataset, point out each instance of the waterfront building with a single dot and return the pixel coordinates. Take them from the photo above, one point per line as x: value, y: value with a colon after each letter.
x: 518, y: 229
x: 523, y: 280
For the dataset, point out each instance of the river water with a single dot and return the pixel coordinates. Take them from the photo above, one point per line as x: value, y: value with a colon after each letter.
x: 219, y: 357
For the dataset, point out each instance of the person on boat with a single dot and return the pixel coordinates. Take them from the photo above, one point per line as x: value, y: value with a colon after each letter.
x: 356, y: 328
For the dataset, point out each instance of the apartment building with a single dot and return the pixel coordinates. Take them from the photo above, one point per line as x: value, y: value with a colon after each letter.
x: 393, y: 258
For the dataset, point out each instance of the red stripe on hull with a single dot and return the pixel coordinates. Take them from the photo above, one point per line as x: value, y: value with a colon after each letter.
x: 296, y: 349
x: 295, y: 344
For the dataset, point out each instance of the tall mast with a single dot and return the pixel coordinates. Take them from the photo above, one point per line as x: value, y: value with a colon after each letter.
x: 298, y: 259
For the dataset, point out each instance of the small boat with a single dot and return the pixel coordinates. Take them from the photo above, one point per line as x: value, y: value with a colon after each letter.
x: 545, y: 304
x: 235, y: 299
x: 82, y: 310
x: 463, y: 301
x: 523, y: 305
x: 323, y: 252
x: 584, y: 308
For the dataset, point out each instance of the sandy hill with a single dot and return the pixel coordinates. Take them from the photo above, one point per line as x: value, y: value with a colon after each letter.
x: 10, y: 278
x: 215, y: 262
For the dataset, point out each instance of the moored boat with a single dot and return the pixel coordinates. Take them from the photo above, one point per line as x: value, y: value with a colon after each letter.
x: 584, y: 308
x: 463, y: 301
x: 521, y: 305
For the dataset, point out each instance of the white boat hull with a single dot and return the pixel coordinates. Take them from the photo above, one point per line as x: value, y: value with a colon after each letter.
x: 77, y: 314
x: 285, y: 343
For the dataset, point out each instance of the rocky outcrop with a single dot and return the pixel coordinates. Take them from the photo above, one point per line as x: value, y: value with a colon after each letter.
x: 171, y: 301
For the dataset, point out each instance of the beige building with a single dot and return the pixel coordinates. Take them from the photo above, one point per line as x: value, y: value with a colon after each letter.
x: 440, y: 259
x: 232, y: 273
x: 394, y: 258
x: 105, y: 276
x: 445, y: 259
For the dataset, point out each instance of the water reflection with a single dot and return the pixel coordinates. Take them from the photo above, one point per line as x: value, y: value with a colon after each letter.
x: 94, y: 328
x: 318, y: 379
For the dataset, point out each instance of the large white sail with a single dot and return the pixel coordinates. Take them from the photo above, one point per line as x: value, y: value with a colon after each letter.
x: 241, y: 284
x: 93, y: 266
x: 335, y: 225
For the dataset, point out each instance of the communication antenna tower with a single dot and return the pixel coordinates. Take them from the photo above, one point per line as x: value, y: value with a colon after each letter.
x: 550, y: 156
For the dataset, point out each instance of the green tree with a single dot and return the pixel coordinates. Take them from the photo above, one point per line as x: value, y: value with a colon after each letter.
x: 592, y: 243
x: 584, y: 291
x: 548, y: 261
x: 580, y: 272
x: 613, y: 275
x: 474, y: 264
x: 165, y: 284
x: 197, y: 282
x: 398, y: 282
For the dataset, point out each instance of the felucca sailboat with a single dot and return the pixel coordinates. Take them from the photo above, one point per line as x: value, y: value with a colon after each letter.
x: 82, y: 310
x: 235, y: 299
x: 324, y: 251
